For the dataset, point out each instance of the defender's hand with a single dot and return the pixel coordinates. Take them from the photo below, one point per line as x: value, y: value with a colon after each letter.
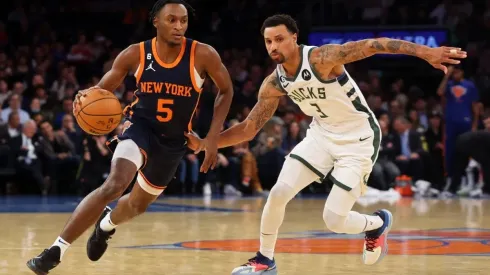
x: 448, y: 55
x: 76, y: 103
x: 211, y: 157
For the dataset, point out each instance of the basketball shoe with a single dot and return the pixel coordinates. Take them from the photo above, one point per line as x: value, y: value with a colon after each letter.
x: 376, y: 241
x: 47, y: 260
x: 98, y: 241
x: 258, y: 265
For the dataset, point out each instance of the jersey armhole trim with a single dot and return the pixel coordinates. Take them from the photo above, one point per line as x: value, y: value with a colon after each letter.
x: 278, y: 80
x: 163, y: 64
x: 316, y: 74
x: 141, y: 66
x: 191, y: 67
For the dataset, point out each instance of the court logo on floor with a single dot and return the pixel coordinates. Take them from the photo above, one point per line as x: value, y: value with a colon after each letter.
x: 461, y: 241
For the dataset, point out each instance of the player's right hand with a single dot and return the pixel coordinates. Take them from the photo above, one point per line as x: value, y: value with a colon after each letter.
x: 194, y: 142
x: 76, y: 102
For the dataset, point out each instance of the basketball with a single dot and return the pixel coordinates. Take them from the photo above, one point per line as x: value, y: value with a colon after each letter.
x: 100, y: 112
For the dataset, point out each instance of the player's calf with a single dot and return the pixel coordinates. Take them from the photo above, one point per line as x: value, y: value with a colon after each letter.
x: 128, y: 207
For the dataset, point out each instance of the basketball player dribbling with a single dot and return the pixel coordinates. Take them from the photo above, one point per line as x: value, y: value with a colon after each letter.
x: 341, y: 143
x: 169, y: 71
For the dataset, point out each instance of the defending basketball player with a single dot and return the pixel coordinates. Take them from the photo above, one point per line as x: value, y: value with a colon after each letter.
x: 169, y: 71
x: 342, y: 142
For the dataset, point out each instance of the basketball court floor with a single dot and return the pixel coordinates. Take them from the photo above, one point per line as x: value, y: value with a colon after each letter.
x: 212, y: 236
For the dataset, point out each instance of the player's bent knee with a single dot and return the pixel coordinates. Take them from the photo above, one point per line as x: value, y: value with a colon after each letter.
x: 334, y: 222
x: 280, y: 194
x: 129, y: 150
x: 138, y: 206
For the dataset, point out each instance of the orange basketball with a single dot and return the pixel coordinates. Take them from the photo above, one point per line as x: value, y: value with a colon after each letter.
x: 100, y: 112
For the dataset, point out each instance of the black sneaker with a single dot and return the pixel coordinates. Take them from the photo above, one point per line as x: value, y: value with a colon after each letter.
x: 47, y: 260
x: 97, y: 243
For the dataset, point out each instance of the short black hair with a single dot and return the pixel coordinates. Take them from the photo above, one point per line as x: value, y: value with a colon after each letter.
x: 280, y: 19
x: 161, y: 3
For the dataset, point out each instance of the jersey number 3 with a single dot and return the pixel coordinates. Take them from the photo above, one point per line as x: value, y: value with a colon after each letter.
x: 164, y: 110
x: 322, y: 114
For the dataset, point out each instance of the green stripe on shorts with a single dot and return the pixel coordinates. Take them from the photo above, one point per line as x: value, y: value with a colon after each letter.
x: 307, y: 164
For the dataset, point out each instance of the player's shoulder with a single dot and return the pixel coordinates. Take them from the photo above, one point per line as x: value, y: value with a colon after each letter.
x: 205, y: 51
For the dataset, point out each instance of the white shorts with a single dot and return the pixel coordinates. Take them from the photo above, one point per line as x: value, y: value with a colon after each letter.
x: 346, y: 159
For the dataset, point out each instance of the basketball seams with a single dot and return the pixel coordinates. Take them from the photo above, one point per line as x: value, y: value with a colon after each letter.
x: 83, y: 117
x: 102, y: 131
x: 81, y: 110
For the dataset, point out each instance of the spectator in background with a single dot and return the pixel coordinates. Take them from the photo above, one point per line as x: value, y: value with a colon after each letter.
x: 61, y: 156
x: 385, y: 170
x: 408, y: 148
x: 68, y: 127
x: 461, y: 109
x: 268, y: 151
x: 12, y: 128
x: 96, y: 163
x: 472, y: 145
x: 435, y: 143
x: 26, y: 150
x: 14, y: 106
x: 242, y: 157
x: 189, y: 172
x: 293, y: 137
x: 67, y: 110
x: 4, y: 91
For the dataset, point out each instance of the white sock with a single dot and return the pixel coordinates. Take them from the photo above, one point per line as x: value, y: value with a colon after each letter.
x: 106, y: 224
x: 62, y: 244
x: 272, y: 217
x: 373, y: 222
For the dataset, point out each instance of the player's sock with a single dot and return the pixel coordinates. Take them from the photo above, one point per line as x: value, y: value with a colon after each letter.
x: 106, y: 224
x: 272, y: 217
x: 62, y: 244
x: 353, y: 223
x: 357, y: 223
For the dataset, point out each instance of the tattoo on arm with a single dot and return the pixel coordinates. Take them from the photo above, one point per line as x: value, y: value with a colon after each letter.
x: 266, y: 105
x: 353, y: 51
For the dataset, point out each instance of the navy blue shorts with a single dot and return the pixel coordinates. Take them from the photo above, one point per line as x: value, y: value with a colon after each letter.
x: 161, y: 156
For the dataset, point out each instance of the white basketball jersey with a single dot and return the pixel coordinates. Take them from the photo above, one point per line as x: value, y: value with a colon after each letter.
x: 336, y: 105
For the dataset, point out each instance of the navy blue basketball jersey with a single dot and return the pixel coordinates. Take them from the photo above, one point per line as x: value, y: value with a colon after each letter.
x: 167, y: 94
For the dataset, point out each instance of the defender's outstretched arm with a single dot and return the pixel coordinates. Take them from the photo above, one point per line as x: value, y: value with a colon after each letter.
x: 330, y: 55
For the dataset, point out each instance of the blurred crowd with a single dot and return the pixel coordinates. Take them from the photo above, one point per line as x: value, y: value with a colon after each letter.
x: 51, y: 49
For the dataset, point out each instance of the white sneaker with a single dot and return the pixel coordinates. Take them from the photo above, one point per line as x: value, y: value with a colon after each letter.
x: 232, y: 191
x: 376, y: 241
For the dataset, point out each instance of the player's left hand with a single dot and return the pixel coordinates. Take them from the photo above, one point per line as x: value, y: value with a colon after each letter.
x: 439, y: 56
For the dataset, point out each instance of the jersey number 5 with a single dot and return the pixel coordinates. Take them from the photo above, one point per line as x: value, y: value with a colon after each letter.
x: 165, y: 111
x: 322, y: 114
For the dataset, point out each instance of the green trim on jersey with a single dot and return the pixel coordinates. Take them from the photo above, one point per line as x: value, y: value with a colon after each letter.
x: 316, y: 74
x: 372, y: 123
x: 278, y: 81
x: 292, y: 79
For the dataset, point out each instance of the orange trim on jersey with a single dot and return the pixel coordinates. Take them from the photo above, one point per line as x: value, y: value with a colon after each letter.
x: 141, y: 67
x: 145, y: 159
x: 160, y: 62
x: 193, y: 77
x: 131, y: 105
x: 149, y: 183
x: 189, y: 126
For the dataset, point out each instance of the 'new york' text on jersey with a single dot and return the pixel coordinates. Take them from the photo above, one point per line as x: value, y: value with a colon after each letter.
x: 167, y: 94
